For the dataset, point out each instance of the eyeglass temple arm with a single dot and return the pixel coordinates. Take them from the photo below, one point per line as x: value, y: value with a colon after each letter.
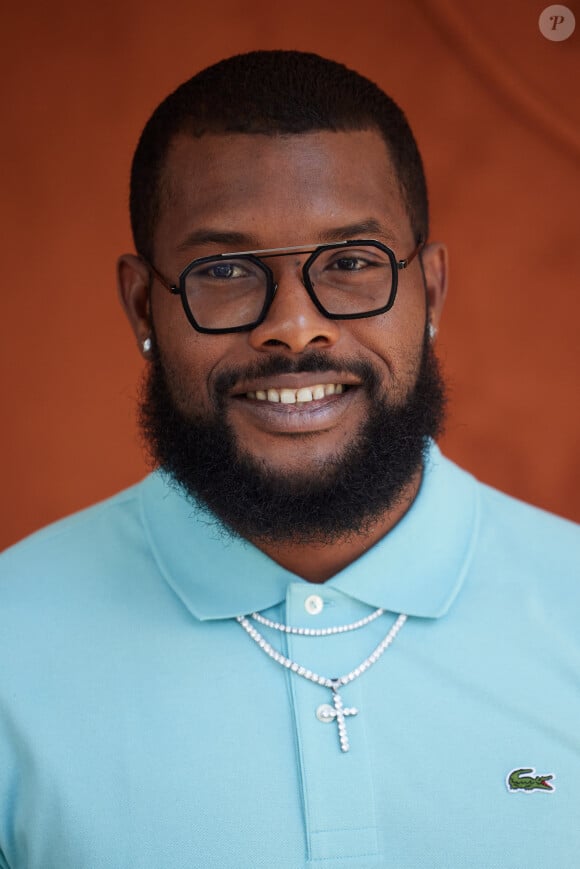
x: 403, y: 263
x: 162, y: 280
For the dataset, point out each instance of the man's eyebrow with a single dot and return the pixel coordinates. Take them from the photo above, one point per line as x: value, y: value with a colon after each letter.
x: 228, y: 239
x: 232, y: 241
x: 368, y: 228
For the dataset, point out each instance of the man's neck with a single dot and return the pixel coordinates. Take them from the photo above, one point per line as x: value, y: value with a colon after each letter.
x: 319, y: 561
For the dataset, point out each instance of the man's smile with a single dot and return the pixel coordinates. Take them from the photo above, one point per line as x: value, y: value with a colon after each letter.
x: 302, y: 395
x: 297, y: 402
x: 296, y: 409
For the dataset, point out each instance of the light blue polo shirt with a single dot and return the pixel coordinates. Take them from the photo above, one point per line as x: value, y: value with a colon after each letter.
x: 142, y: 728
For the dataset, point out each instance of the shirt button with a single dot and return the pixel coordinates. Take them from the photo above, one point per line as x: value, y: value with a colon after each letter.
x: 313, y: 604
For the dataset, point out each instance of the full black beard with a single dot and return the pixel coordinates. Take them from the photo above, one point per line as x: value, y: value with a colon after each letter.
x: 344, y: 498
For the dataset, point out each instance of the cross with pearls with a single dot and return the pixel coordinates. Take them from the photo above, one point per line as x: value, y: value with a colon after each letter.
x: 337, y: 712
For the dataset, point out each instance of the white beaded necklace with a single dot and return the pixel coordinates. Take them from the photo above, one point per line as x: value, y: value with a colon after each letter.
x: 317, y: 632
x: 326, y: 713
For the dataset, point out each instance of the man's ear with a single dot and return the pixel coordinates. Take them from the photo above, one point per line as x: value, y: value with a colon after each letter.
x: 133, y: 281
x: 435, y: 270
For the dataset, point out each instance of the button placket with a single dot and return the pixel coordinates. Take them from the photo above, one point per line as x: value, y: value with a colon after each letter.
x: 335, y: 828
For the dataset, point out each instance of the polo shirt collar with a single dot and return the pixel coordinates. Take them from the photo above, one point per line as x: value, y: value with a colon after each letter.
x: 417, y: 568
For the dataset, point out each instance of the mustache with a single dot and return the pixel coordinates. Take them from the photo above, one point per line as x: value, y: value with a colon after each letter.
x: 312, y: 362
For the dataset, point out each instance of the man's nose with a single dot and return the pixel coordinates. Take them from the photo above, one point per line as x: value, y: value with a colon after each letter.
x: 293, y: 320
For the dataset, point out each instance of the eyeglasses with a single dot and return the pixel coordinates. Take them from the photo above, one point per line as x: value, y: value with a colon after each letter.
x: 233, y: 292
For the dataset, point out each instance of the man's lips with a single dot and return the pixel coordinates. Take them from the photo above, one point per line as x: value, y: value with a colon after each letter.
x: 289, y: 415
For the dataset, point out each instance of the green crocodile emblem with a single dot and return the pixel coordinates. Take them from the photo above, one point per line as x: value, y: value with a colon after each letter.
x: 525, y: 780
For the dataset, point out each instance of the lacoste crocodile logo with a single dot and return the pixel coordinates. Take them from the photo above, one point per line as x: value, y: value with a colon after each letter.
x: 525, y: 780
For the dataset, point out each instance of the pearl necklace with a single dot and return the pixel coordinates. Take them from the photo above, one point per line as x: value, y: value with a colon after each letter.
x: 326, y: 713
x: 317, y: 632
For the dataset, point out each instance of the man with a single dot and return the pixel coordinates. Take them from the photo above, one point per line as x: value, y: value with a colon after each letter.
x: 307, y: 639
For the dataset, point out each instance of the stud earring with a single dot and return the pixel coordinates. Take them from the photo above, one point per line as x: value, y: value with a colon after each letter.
x: 147, y: 345
x: 432, y: 331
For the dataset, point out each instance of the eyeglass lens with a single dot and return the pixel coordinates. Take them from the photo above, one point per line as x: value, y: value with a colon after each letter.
x: 223, y: 293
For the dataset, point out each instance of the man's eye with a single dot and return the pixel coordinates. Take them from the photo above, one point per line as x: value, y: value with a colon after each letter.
x: 225, y: 271
x: 350, y: 263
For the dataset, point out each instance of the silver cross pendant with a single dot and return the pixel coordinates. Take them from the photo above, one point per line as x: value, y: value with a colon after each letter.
x: 337, y: 712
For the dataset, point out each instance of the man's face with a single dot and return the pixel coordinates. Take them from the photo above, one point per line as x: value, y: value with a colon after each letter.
x: 252, y: 192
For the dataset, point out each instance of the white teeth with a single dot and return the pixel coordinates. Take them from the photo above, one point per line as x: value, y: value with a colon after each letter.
x: 288, y: 396
x: 304, y: 394
x: 293, y: 396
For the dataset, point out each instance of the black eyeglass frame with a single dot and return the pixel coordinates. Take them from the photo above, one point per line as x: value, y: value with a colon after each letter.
x: 256, y: 257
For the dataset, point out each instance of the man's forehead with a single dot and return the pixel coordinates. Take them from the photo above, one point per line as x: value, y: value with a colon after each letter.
x: 335, y: 178
x: 232, y: 154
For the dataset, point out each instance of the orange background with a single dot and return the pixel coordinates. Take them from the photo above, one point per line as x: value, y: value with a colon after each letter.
x: 495, y: 108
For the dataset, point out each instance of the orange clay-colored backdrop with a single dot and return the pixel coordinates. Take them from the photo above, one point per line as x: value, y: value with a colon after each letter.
x: 496, y: 111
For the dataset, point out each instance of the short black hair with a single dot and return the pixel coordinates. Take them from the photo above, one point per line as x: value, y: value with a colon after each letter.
x: 272, y: 93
